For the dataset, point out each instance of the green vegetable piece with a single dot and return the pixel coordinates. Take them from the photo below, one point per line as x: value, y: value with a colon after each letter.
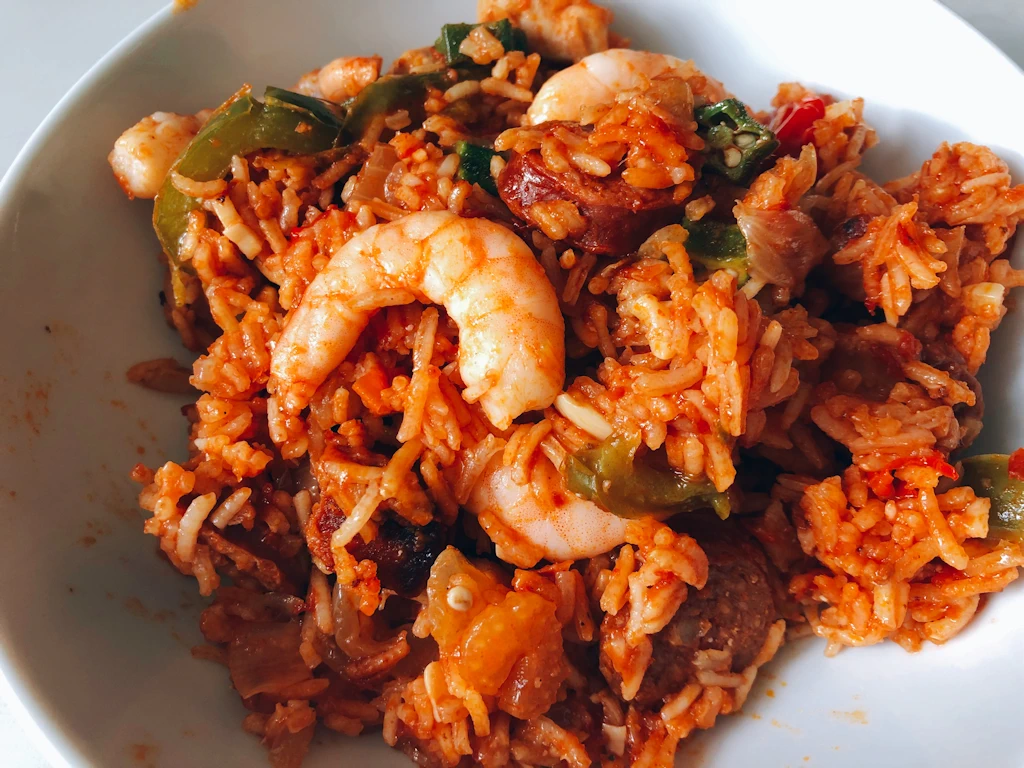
x: 326, y: 112
x: 241, y: 125
x: 511, y: 38
x: 610, y: 476
x: 989, y: 476
x: 388, y: 94
x: 475, y: 165
x: 718, y: 245
x: 737, y: 143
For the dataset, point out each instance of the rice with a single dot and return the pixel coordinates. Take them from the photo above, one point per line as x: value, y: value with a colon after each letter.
x: 462, y: 90
x: 228, y: 509
x: 505, y: 89
x: 235, y: 229
x: 583, y: 416
x: 200, y: 189
x: 190, y: 523
x: 481, y: 46
x: 838, y: 360
x: 521, y: 449
x: 558, y: 218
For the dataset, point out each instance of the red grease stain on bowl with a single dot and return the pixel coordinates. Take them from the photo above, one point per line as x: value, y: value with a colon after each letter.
x: 770, y: 693
x: 114, y: 493
x: 135, y: 607
x: 93, y: 530
x: 66, y: 343
x: 854, y: 717
x: 144, y: 755
x: 36, y: 402
x: 147, y: 432
x: 783, y: 726
x: 692, y: 751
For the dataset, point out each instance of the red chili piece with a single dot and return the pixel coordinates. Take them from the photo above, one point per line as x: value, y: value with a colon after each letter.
x: 297, y: 232
x: 1016, y: 464
x: 793, y: 123
x: 932, y: 459
x: 887, y: 487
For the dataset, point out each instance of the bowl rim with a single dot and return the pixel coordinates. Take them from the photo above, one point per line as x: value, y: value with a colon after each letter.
x: 26, y: 702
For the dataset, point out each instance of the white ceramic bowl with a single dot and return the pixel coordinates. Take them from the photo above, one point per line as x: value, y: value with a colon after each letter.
x: 95, y: 628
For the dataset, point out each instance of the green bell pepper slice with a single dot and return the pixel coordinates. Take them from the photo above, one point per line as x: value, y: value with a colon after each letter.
x: 240, y: 126
x: 287, y: 121
x: 387, y: 94
x: 611, y: 476
x: 327, y: 112
x: 736, y: 143
x: 989, y: 476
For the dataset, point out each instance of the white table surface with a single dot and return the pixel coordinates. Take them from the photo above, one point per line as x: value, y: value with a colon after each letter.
x: 72, y: 36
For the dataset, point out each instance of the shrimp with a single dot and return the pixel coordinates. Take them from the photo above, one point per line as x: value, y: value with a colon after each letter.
x: 143, y: 154
x: 511, y: 332
x: 556, y: 29
x: 344, y: 78
x: 600, y: 77
x: 341, y: 78
x: 551, y: 521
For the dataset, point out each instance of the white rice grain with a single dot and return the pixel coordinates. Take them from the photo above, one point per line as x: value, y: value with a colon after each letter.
x: 321, y: 592
x: 235, y: 229
x: 354, y: 523
x: 506, y: 90
x: 191, y: 522
x: 303, y: 502
x: 230, y: 507
x: 583, y: 416
x: 462, y: 90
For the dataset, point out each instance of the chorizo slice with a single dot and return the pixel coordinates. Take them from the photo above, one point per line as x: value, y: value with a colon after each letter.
x: 618, y: 217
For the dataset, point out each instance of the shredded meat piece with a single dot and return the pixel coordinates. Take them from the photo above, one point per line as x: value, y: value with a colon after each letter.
x: 733, y: 612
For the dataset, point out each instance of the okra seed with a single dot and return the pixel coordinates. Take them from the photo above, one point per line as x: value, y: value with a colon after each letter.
x: 732, y: 157
x: 745, y: 140
x: 460, y: 598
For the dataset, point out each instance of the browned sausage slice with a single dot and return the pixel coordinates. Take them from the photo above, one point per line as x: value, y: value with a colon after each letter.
x: 619, y: 216
x: 733, y: 612
x: 403, y: 553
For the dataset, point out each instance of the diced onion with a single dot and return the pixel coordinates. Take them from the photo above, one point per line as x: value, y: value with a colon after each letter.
x: 264, y: 658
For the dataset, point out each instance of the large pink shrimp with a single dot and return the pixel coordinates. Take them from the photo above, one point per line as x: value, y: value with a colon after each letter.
x: 511, y: 332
